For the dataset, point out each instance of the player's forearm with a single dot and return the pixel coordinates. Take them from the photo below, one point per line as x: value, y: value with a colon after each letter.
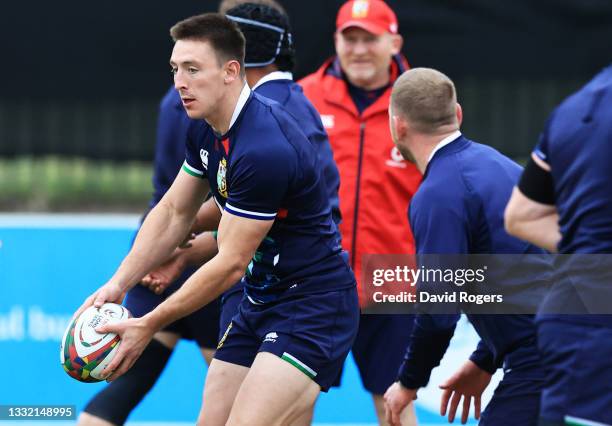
x: 162, y: 231
x: 206, y: 284
x: 542, y: 231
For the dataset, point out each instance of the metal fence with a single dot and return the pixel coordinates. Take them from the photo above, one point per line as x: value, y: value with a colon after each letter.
x: 506, y: 114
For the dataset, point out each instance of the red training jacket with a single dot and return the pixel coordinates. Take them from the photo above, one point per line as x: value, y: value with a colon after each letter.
x: 376, y: 183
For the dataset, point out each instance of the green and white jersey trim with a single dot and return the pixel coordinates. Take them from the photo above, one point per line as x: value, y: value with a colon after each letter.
x: 577, y: 421
x: 192, y: 170
x: 299, y: 365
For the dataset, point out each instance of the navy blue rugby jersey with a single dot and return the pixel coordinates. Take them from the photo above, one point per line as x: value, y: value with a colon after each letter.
x: 577, y: 144
x: 459, y: 209
x: 280, y: 87
x: 265, y: 168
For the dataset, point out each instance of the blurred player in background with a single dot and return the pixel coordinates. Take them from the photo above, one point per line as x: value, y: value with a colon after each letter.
x: 270, y: 58
x: 563, y: 203
x: 113, y: 404
x: 299, y: 319
x: 351, y: 92
x: 458, y: 209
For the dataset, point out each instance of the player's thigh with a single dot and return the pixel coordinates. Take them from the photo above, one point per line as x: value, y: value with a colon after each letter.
x: 223, y: 381
x: 274, y: 392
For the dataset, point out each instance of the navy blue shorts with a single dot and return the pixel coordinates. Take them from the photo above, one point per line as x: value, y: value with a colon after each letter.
x: 201, y: 326
x: 516, y: 399
x: 578, y: 360
x: 313, y: 332
x: 230, y: 302
x: 379, y: 349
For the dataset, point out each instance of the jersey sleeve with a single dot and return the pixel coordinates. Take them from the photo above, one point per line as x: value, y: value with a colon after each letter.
x: 483, y: 358
x: 196, y: 159
x: 430, y: 338
x: 541, y: 148
x: 440, y: 225
x: 258, y: 183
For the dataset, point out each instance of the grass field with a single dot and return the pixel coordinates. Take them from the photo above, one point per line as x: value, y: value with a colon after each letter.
x: 54, y: 184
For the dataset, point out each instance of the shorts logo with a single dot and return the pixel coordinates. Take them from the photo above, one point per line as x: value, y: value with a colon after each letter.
x: 360, y: 9
x: 227, y: 330
x: 221, y: 174
x: 271, y: 337
x: 396, y: 159
x: 329, y: 121
x: 204, y: 157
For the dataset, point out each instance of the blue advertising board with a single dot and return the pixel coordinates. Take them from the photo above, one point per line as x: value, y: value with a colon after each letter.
x: 50, y: 264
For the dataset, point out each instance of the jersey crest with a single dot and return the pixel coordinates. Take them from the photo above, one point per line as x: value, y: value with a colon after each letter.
x: 221, y: 178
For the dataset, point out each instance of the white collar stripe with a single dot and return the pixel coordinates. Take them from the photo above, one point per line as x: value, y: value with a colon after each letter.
x: 274, y: 75
x: 450, y: 138
x: 242, y: 99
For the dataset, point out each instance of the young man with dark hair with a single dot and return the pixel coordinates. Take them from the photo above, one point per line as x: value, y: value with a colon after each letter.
x: 269, y: 61
x: 115, y: 402
x: 276, y: 225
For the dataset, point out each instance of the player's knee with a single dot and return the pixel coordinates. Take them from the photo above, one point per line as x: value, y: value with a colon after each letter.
x: 115, y: 402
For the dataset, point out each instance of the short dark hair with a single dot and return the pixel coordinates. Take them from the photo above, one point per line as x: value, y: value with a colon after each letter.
x: 268, y: 35
x: 426, y: 98
x: 224, y: 36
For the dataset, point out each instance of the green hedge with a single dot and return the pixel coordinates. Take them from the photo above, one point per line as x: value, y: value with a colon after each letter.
x: 73, y: 184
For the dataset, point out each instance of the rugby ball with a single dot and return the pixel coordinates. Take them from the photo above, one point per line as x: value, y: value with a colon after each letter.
x: 84, y: 353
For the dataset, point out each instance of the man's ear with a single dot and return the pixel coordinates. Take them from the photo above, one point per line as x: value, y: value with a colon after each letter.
x: 397, y: 42
x: 400, y: 126
x: 459, y: 112
x: 232, y: 71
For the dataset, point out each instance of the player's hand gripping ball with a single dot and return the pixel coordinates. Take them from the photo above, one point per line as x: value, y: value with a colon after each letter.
x: 84, y: 352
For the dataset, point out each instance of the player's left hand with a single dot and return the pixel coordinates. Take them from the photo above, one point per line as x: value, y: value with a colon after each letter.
x: 468, y: 382
x: 165, y: 274
x: 397, y: 398
x: 135, y: 336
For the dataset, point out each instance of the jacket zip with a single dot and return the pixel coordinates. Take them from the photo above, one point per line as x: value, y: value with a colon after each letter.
x: 357, y: 190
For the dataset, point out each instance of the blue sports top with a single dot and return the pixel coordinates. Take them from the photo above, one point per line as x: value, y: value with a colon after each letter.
x: 458, y: 209
x: 265, y: 168
x: 577, y: 144
x: 280, y: 87
x: 173, y: 127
